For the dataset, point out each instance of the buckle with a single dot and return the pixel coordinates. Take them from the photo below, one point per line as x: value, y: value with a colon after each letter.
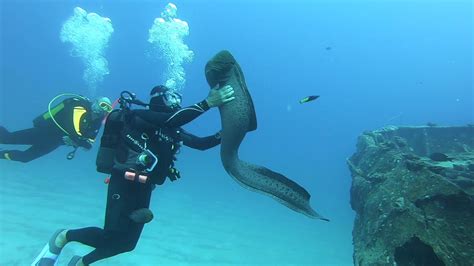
x: 132, y: 176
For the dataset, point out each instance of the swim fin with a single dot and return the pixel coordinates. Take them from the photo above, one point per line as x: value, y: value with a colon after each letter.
x: 49, y: 255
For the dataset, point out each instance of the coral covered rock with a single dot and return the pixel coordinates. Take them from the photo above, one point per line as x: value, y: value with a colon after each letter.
x: 413, y: 193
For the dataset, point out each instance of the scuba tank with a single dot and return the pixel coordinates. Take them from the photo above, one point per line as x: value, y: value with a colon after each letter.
x: 109, y: 141
x: 59, y: 115
x: 113, y: 128
x: 50, y: 115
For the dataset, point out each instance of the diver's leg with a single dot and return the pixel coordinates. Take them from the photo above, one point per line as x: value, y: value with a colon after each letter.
x: 116, y: 195
x: 120, y: 234
x: 43, y: 141
x: 113, y: 243
x: 28, y: 136
x: 90, y: 236
x: 34, y: 152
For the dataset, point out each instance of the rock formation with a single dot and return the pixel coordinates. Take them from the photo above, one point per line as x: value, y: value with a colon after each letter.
x: 413, y: 193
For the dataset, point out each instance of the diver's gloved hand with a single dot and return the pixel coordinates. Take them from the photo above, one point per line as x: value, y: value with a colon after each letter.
x: 173, y: 174
x: 218, y: 97
x: 88, y: 144
x: 69, y: 142
x: 84, y: 143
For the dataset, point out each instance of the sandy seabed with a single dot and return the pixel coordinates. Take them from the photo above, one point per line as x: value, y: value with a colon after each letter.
x: 192, y: 226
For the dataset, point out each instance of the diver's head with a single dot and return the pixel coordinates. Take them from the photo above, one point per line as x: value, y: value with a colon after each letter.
x: 163, y: 99
x: 102, y: 106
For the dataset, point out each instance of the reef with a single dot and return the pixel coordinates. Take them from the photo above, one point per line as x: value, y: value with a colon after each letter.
x: 413, y: 194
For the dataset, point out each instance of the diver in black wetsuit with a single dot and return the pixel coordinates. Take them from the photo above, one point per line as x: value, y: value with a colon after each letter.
x: 74, y: 122
x: 138, y: 149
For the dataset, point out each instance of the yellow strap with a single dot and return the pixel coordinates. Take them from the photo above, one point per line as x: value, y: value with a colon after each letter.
x: 79, y: 111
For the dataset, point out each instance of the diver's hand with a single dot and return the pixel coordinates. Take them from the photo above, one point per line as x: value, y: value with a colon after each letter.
x: 87, y: 144
x: 218, y: 97
x: 69, y: 142
x: 173, y: 174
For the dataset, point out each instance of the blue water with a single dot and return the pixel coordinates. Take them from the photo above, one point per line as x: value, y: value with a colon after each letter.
x: 373, y: 64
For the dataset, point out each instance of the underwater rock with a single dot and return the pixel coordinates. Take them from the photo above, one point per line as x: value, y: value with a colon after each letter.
x: 411, y: 209
x: 414, y: 166
x: 436, y: 169
x: 471, y: 167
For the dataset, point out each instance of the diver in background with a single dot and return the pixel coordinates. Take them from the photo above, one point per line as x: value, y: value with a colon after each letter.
x: 74, y: 122
x: 138, y: 149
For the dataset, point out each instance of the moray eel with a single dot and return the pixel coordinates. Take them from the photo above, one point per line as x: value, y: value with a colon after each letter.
x: 237, y: 118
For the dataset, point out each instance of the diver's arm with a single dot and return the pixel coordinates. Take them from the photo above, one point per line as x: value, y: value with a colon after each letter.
x: 216, y: 97
x: 198, y: 143
x: 93, y: 130
x: 77, y: 142
x: 186, y: 115
x: 176, y: 119
x: 85, y: 143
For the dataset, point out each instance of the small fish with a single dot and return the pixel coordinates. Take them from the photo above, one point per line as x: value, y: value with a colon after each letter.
x: 439, y: 157
x: 309, y: 98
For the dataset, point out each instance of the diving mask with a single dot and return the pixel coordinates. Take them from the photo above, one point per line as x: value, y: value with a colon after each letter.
x: 106, y: 107
x: 102, y: 105
x: 170, y: 98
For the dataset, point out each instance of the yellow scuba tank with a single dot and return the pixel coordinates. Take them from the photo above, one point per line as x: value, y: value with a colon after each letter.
x: 50, y: 115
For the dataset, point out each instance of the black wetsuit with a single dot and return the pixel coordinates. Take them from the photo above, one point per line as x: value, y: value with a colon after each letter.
x: 74, y: 115
x: 163, y: 138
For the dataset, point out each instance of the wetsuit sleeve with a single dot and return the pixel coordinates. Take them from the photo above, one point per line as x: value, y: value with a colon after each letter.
x: 90, y: 134
x: 199, y: 143
x: 176, y: 119
x: 93, y: 129
x: 83, y: 143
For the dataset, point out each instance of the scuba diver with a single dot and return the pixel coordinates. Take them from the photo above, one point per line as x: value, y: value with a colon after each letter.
x: 74, y: 122
x: 138, y: 150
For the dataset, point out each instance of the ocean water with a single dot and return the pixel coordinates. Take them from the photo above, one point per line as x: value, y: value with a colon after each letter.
x: 373, y: 63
